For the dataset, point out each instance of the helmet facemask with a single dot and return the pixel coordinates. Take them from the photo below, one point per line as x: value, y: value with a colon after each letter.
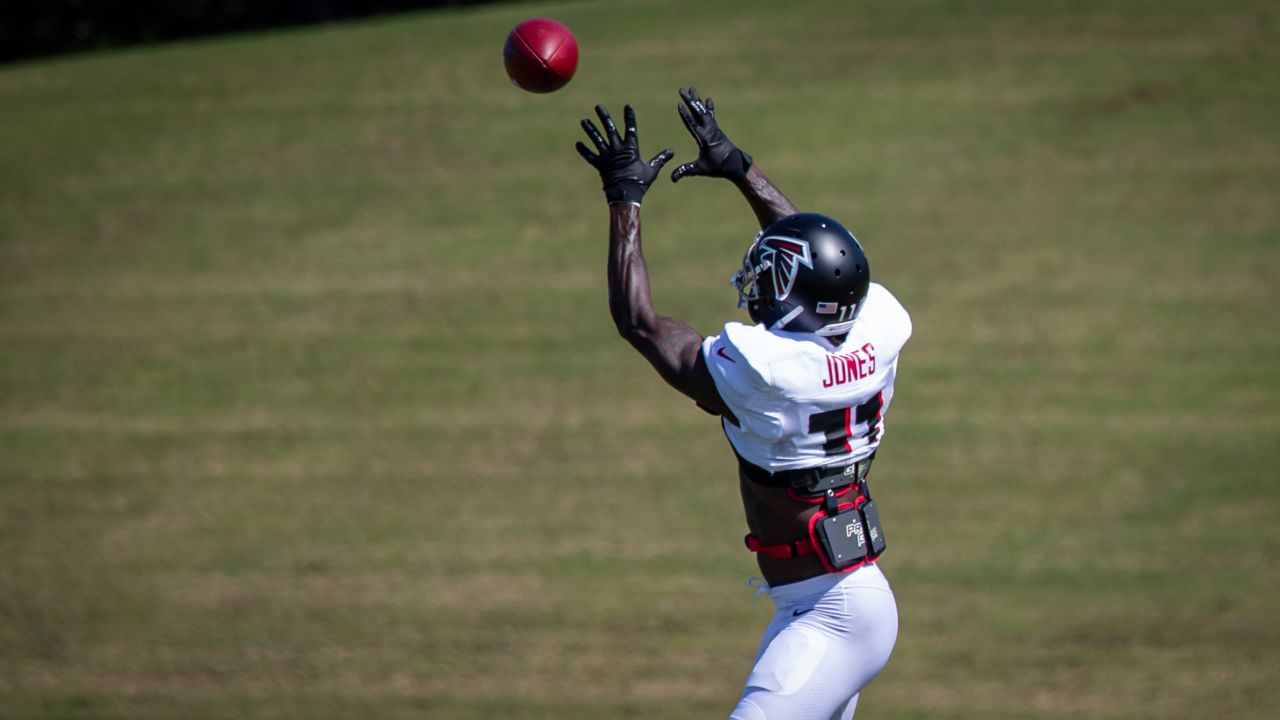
x: 746, y: 279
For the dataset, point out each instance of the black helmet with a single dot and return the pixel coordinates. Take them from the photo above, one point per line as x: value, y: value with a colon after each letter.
x: 804, y: 273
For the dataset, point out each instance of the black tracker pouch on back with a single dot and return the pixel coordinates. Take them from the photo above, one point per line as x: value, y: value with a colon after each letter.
x: 849, y: 534
x: 871, y: 520
x: 843, y: 538
x: 846, y: 534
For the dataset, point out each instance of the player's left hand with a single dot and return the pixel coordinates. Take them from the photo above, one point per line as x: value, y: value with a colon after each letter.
x: 625, y: 176
x: 717, y: 155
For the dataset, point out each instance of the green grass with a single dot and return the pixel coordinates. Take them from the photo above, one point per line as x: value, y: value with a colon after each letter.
x: 310, y: 405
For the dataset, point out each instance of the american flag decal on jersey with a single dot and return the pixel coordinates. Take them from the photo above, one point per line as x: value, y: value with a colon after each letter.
x: 784, y: 256
x: 826, y: 308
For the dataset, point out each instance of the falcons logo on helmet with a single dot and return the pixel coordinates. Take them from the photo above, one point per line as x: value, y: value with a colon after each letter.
x: 783, y: 256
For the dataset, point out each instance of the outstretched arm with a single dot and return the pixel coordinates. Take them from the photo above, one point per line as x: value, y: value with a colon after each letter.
x: 767, y: 201
x: 719, y: 157
x: 670, y: 345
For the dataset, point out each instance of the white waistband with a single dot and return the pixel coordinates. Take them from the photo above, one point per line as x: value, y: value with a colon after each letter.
x: 815, y: 587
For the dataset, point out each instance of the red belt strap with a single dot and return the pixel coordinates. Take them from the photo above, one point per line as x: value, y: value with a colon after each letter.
x: 795, y: 548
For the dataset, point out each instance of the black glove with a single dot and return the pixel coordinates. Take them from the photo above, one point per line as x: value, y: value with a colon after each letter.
x: 626, y: 177
x: 717, y: 155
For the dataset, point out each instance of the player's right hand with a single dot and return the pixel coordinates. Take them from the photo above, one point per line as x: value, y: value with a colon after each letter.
x: 717, y: 155
x: 625, y: 176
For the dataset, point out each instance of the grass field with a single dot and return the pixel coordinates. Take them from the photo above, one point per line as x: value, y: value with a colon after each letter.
x: 310, y: 405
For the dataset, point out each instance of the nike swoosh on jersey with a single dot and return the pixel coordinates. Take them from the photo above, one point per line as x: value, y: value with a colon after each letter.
x: 720, y: 351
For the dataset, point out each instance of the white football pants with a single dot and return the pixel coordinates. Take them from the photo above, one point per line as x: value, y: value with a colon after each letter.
x: 829, y: 636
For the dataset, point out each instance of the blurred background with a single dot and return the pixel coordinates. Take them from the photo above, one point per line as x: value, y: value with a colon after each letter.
x: 310, y: 403
x: 68, y: 26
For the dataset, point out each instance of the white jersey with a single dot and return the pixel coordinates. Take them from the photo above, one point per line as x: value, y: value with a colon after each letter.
x: 802, y: 402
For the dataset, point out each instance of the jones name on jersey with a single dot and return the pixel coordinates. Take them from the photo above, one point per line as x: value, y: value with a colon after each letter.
x: 802, y: 401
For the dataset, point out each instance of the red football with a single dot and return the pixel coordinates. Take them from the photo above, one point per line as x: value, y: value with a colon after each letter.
x: 541, y: 55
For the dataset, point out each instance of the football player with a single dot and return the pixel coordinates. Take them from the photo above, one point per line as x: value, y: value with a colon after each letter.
x: 801, y: 391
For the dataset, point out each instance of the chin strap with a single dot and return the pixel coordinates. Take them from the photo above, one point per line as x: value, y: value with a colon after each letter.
x: 782, y: 321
